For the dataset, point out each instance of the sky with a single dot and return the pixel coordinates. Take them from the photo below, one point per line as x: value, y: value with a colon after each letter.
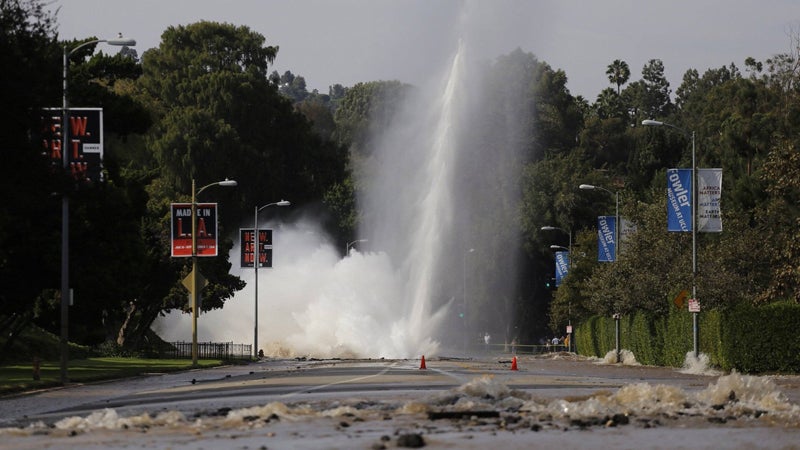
x: 350, y: 41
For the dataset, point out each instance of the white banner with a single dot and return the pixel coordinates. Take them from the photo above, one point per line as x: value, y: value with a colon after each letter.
x: 709, y: 192
x: 626, y: 230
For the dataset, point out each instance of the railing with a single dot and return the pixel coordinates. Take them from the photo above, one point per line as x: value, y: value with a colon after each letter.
x: 520, y: 349
x: 210, y: 350
x: 537, y: 349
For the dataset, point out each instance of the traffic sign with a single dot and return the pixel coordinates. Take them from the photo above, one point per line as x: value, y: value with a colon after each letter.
x: 188, y: 281
x: 694, y: 305
x: 680, y: 299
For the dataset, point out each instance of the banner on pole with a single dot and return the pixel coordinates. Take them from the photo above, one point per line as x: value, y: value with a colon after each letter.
x: 562, y: 266
x: 709, y: 192
x: 85, y: 146
x: 679, y: 199
x: 182, y: 229
x: 626, y: 229
x: 247, y: 247
x: 606, y: 238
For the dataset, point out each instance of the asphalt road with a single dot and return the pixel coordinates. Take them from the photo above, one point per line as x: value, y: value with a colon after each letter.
x: 555, y: 401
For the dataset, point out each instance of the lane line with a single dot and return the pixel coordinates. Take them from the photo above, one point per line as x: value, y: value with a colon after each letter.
x: 351, y: 380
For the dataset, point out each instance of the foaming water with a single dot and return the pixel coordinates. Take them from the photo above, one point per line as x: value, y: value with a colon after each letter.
x: 626, y: 357
x: 746, y: 399
x: 697, y: 365
x: 313, y: 303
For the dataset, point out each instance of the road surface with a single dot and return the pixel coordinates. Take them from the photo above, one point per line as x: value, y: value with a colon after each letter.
x: 553, y: 401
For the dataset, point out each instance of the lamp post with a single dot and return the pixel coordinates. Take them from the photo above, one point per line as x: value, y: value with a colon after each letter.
x: 591, y: 187
x: 256, y: 263
x: 464, y: 297
x: 350, y: 244
x: 656, y: 123
x: 195, y: 275
x: 617, y: 226
x: 569, y: 301
x: 616, y: 334
x: 65, y: 294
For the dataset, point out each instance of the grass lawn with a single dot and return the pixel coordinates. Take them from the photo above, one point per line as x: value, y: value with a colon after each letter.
x: 18, y: 377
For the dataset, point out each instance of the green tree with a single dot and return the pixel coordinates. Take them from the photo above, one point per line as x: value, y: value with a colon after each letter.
x: 609, y: 104
x: 30, y: 216
x: 316, y: 109
x: 779, y: 219
x: 657, y: 101
x: 618, y: 73
x: 366, y: 112
x: 217, y: 115
x: 101, y: 256
x: 291, y: 85
x: 649, y: 97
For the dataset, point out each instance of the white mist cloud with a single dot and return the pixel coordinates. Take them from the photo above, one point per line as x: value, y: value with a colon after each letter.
x: 312, y: 303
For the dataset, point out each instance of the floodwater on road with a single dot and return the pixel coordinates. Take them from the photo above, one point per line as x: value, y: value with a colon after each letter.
x: 552, y: 401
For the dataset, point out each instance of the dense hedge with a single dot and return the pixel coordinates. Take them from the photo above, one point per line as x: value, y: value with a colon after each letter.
x: 746, y: 338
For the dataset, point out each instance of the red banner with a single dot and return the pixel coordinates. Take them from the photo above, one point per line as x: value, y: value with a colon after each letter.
x: 182, y: 229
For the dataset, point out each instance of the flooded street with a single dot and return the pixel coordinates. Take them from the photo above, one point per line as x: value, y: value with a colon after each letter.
x: 551, y: 401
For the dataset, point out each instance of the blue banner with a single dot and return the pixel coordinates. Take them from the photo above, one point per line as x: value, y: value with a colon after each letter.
x: 562, y: 266
x: 606, y: 238
x: 679, y: 199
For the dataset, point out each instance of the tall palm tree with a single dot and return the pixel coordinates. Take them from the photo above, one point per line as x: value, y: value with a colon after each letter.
x: 618, y: 73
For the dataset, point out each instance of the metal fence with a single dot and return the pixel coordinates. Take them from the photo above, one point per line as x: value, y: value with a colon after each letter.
x: 538, y: 349
x: 210, y: 350
x: 519, y: 349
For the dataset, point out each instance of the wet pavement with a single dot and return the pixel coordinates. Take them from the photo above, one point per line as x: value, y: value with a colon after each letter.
x: 552, y: 401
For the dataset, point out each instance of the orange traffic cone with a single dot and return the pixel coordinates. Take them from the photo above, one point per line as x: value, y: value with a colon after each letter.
x: 422, y: 363
x: 514, y: 363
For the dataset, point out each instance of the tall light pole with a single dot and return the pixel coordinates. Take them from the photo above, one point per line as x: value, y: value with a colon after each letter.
x: 350, y: 244
x: 687, y: 133
x: 464, y: 297
x: 65, y: 143
x: 618, y: 225
x: 256, y: 263
x: 195, y: 274
x: 569, y: 301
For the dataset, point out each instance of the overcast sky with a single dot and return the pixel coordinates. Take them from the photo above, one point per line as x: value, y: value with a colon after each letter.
x: 350, y: 41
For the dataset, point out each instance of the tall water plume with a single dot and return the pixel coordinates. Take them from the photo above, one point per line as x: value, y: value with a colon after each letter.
x: 437, y: 198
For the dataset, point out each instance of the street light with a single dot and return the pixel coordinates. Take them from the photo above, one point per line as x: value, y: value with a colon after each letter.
x: 656, y: 123
x: 256, y: 263
x: 195, y: 275
x: 569, y: 233
x: 569, y: 301
x: 464, y: 298
x: 618, y: 225
x: 65, y: 294
x: 350, y: 244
